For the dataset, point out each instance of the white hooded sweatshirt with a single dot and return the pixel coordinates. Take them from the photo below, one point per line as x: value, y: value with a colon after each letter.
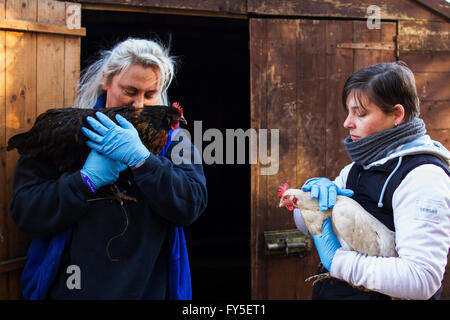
x: 421, y: 210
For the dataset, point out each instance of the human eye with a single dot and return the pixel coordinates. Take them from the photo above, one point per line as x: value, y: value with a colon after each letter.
x: 359, y: 112
x: 149, y: 94
x: 129, y: 91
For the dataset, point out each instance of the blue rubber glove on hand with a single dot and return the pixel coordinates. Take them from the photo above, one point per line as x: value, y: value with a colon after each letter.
x: 326, y: 244
x: 121, y: 143
x: 101, y: 170
x: 326, y: 191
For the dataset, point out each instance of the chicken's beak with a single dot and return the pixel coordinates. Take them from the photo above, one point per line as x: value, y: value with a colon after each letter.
x: 183, y: 120
x: 281, y: 205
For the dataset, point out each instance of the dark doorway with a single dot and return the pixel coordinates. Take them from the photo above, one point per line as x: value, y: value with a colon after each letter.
x: 212, y: 85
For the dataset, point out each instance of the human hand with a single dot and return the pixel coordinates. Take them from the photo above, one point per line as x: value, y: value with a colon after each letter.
x: 121, y: 143
x: 326, y: 244
x: 326, y: 191
x: 101, y: 170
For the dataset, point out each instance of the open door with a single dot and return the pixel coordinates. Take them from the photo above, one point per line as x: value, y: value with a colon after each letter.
x: 298, y: 69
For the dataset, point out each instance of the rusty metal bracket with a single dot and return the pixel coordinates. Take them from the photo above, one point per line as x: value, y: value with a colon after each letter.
x: 289, y: 242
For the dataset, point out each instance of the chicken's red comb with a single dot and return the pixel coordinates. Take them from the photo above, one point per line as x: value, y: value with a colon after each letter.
x: 282, y: 189
x: 177, y: 105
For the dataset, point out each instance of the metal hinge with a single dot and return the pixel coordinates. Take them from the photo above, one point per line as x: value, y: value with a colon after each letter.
x: 286, y: 242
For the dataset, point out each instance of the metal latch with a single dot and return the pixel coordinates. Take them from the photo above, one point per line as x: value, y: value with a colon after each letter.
x: 286, y: 242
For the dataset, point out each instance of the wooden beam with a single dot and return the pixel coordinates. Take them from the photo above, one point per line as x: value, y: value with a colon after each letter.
x: 366, y: 45
x: 236, y: 7
x: 154, y: 10
x: 423, y: 36
x: 28, y: 26
x: 440, y: 6
x: 12, y: 264
x: 390, y: 10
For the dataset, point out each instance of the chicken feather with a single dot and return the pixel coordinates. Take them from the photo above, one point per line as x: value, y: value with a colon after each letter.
x: 56, y: 135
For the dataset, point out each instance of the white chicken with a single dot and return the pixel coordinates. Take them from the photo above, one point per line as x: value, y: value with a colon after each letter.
x: 355, y: 228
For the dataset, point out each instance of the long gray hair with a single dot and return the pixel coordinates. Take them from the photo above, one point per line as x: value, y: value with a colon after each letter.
x: 143, y: 52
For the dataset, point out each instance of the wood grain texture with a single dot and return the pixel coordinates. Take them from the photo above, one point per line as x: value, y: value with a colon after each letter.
x: 398, y: 10
x: 229, y: 6
x: 304, y: 71
x: 258, y: 105
x: 38, y: 71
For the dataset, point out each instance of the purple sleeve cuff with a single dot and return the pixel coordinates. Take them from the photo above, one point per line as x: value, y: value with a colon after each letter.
x: 88, y: 182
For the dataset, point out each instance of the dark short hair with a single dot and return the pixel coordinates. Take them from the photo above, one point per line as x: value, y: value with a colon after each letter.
x: 385, y: 84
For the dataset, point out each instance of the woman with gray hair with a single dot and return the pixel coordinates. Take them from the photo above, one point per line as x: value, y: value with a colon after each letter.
x: 139, y: 52
x: 86, y: 246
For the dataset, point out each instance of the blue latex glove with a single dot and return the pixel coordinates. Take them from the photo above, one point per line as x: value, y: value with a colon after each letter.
x: 326, y: 244
x: 101, y: 170
x: 121, y: 143
x: 326, y: 191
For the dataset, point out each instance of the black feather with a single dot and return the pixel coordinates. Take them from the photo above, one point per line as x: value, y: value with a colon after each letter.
x: 56, y: 135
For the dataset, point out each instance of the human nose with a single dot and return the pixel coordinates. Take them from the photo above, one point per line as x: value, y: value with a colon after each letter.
x: 138, y: 101
x: 348, y: 123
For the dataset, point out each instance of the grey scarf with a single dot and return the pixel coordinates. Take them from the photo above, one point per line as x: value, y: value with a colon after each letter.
x: 375, y: 146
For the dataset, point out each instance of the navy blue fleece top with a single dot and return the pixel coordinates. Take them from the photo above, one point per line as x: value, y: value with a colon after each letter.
x: 129, y: 266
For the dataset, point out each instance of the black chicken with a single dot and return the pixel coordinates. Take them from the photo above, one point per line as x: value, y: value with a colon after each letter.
x: 56, y: 135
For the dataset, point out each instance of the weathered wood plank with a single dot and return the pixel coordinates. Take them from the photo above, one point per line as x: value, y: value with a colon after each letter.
x: 19, y: 25
x: 424, y: 36
x: 438, y: 61
x: 3, y: 199
x: 340, y: 65
x: 442, y: 7
x: 436, y: 114
x: 225, y: 6
x: 398, y: 10
x: 311, y: 88
x: 281, y: 114
x: 443, y: 136
x: 20, y: 94
x: 72, y: 52
x: 12, y: 264
x: 258, y: 105
x: 433, y: 86
x: 22, y: 10
x: 50, y: 57
x: 312, y: 92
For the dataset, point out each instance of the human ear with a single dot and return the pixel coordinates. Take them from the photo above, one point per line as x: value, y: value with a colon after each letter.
x: 399, y: 114
x: 104, y: 82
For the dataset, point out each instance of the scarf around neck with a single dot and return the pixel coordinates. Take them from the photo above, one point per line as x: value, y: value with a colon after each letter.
x: 375, y: 146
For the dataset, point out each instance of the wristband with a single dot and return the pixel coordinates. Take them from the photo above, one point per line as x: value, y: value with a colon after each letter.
x: 88, y: 182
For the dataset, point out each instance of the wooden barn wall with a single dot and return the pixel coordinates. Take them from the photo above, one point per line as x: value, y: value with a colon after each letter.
x: 425, y: 47
x: 391, y: 9
x: 38, y: 70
